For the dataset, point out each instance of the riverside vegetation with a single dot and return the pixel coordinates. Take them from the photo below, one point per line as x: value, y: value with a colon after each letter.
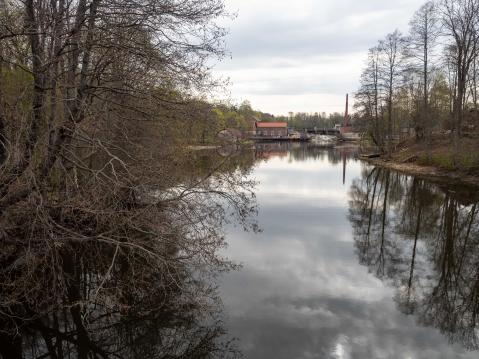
x: 105, y: 243
x: 425, y: 85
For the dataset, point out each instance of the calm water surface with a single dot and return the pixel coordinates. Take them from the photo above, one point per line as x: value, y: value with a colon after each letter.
x: 353, y: 262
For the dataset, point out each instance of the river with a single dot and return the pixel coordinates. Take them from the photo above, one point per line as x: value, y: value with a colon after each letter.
x: 339, y: 260
x: 352, y: 262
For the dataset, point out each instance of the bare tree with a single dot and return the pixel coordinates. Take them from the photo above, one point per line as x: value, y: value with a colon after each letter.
x: 424, y: 31
x: 460, y: 20
x: 391, y: 49
x: 474, y: 74
x: 92, y: 211
x: 368, y: 97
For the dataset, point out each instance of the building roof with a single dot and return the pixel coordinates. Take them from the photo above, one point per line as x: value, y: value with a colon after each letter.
x: 271, y: 124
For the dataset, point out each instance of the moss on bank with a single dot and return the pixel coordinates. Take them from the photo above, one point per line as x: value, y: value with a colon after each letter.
x: 436, y: 159
x: 441, y: 153
x: 467, y: 162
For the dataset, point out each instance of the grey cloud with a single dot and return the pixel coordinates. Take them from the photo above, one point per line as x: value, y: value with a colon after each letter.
x: 276, y: 38
x: 299, y: 39
x: 299, y: 85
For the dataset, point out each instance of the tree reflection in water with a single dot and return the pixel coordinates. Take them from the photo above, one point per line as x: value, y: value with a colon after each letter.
x: 141, y: 288
x: 423, y: 239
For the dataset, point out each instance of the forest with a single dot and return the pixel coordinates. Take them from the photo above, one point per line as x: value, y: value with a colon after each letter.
x: 424, y: 84
x: 107, y: 231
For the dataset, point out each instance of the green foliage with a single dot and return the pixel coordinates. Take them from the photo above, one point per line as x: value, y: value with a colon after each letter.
x: 16, y: 86
x: 445, y: 161
x: 470, y: 161
x: 463, y: 161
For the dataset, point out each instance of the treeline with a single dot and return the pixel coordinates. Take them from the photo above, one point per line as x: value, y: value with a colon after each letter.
x: 206, y: 121
x: 302, y: 120
x: 424, y: 82
x: 220, y: 116
x: 102, y: 245
x: 212, y: 118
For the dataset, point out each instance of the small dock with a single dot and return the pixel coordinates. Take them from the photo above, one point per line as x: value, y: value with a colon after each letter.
x: 369, y: 156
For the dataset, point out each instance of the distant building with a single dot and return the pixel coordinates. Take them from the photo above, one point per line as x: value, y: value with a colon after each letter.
x: 271, y: 129
x: 230, y: 135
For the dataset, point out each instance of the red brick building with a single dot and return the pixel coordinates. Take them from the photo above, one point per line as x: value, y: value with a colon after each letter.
x: 271, y: 129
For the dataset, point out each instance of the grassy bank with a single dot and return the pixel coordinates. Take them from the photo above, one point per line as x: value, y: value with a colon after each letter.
x: 436, y: 158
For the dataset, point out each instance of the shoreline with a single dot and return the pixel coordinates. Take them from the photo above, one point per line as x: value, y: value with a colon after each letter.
x: 431, y: 173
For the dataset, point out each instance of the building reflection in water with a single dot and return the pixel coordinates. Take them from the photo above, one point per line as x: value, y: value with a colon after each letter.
x: 300, y: 151
x: 423, y: 239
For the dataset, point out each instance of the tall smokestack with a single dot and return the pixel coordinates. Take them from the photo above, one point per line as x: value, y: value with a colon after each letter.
x: 346, y: 113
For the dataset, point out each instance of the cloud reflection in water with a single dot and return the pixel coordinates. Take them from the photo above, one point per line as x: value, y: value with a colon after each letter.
x: 302, y: 292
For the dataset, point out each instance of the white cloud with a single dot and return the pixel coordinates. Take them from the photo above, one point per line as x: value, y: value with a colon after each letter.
x: 305, y: 55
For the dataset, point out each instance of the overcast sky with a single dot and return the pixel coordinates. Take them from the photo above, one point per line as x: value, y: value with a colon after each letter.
x: 305, y: 55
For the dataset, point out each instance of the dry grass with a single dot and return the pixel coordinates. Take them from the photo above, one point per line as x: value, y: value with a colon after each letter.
x: 440, y: 152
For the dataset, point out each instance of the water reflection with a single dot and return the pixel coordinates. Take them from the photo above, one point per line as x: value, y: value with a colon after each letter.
x: 302, y: 293
x: 144, y: 289
x: 138, y: 313
x: 424, y: 240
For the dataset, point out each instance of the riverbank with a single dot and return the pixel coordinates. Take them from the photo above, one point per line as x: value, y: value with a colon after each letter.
x: 436, y: 160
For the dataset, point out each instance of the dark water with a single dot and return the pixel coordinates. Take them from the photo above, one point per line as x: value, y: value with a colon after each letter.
x: 353, y: 262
